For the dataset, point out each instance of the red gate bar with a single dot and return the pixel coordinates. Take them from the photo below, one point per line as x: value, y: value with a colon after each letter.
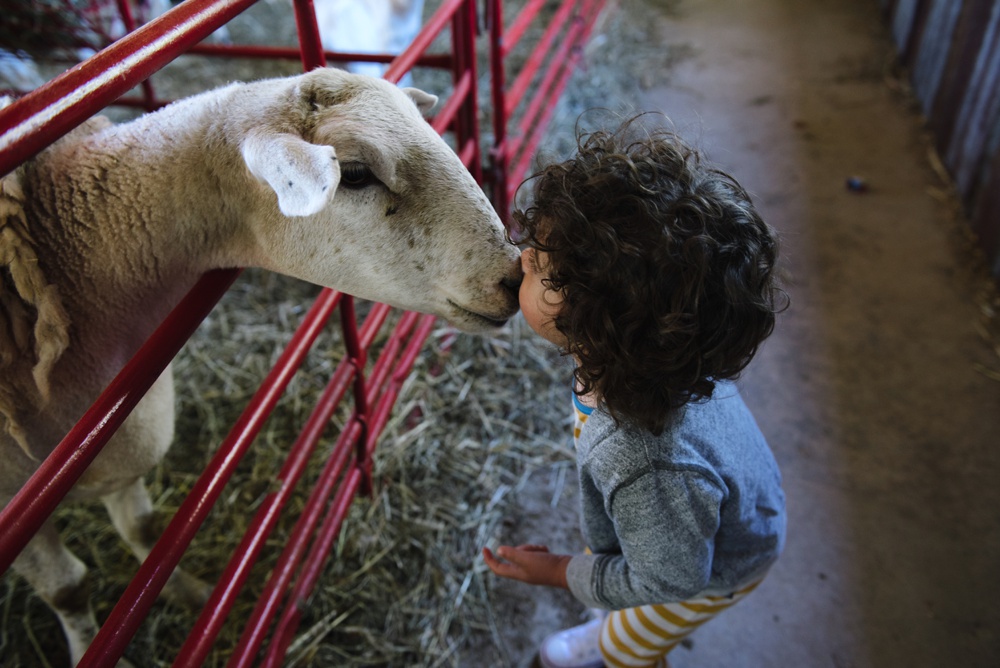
x: 290, y: 560
x: 464, y: 29
x: 208, y: 625
x: 538, y: 57
x: 264, y: 612
x: 331, y: 527
x: 33, y: 504
x: 499, y: 159
x: 318, y: 553
x: 432, y: 28
x: 139, y: 596
x: 310, y: 45
x: 205, y: 630
x: 148, y: 94
x: 568, y: 55
x: 36, y: 120
x: 513, y: 35
x: 534, y: 121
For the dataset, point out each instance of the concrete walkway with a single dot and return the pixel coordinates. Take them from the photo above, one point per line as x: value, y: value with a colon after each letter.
x: 871, y: 391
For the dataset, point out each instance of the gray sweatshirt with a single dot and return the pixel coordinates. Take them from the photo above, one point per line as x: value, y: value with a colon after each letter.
x: 695, y: 511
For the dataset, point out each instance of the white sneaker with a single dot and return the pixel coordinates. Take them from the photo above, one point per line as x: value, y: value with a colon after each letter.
x: 578, y: 647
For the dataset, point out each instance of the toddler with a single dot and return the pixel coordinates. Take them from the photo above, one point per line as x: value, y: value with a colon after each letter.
x: 655, y: 273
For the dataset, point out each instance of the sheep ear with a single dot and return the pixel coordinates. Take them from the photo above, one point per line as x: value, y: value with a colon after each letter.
x: 304, y: 176
x: 424, y: 101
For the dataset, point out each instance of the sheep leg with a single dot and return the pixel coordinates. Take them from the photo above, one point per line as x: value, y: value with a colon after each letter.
x: 131, y: 512
x: 60, y: 579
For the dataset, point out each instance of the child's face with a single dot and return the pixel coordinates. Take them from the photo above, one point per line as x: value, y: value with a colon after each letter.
x: 539, y: 304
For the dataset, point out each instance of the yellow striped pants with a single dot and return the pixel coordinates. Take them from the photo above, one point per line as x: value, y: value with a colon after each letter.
x: 642, y: 637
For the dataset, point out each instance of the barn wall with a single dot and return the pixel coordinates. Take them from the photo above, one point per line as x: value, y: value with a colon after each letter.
x: 951, y: 49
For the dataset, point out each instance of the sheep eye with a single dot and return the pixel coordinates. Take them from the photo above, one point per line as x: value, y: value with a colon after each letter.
x: 356, y: 175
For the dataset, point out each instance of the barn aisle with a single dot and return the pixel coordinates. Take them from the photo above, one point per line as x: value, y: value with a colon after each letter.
x: 870, y: 392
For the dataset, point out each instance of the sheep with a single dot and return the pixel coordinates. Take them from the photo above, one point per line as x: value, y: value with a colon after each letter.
x: 330, y: 177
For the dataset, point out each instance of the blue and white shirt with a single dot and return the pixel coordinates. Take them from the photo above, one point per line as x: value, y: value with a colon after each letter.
x: 698, y: 510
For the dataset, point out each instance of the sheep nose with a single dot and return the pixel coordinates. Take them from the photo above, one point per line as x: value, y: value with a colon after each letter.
x: 513, y: 283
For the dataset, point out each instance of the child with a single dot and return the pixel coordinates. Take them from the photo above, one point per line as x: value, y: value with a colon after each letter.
x: 656, y: 274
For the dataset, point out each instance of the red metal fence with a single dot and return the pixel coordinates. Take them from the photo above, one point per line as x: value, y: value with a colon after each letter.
x: 39, y: 118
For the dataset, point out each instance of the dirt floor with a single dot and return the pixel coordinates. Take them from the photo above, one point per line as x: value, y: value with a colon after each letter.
x: 876, y: 391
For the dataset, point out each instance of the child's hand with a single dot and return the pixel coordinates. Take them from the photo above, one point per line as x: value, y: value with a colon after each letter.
x: 533, y: 564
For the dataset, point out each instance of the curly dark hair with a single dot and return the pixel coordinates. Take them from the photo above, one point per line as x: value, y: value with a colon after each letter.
x: 666, y: 271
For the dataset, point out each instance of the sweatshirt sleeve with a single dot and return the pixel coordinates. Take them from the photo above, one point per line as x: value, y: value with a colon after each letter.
x: 666, y: 522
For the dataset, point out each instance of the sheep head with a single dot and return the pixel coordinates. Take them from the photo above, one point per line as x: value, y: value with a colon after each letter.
x: 363, y: 196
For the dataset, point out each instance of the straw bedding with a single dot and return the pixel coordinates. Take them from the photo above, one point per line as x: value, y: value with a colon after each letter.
x: 404, y: 586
